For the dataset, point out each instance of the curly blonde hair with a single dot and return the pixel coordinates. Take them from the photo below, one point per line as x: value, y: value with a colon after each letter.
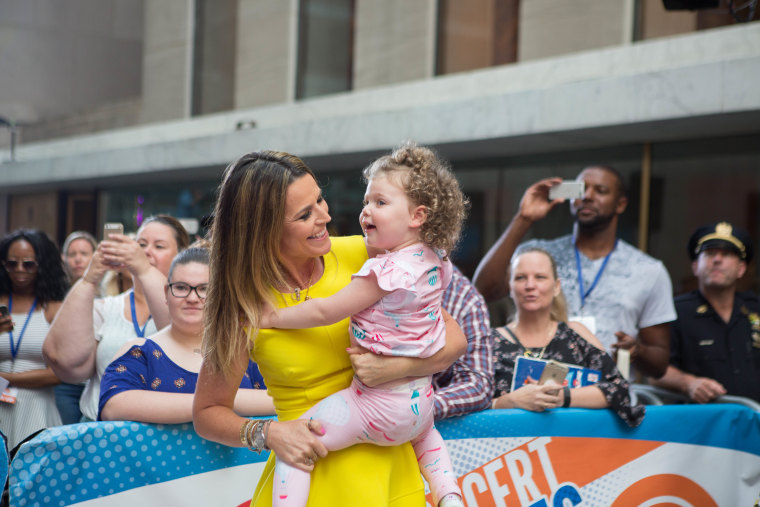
x: 427, y: 181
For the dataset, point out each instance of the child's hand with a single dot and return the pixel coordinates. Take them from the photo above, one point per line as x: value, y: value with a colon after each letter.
x: 268, y: 316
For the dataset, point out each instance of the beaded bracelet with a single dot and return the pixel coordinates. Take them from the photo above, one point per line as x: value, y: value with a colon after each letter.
x: 244, y: 428
x: 254, y: 434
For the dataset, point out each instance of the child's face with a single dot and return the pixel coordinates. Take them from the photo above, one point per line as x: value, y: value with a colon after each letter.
x: 389, y: 220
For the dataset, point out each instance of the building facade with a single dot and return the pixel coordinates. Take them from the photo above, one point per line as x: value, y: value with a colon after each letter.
x: 135, y: 107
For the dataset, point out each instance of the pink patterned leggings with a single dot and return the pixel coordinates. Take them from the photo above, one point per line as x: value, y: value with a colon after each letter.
x: 361, y: 414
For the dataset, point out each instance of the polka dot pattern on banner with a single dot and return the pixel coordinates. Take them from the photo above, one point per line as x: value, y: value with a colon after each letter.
x: 3, y: 461
x: 70, y: 464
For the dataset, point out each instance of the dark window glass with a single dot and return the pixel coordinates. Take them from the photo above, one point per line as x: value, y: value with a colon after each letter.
x: 325, y: 47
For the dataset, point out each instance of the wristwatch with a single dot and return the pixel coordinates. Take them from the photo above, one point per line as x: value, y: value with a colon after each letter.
x: 259, y: 439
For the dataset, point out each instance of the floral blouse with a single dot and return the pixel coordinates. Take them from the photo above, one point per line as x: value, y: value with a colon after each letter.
x: 569, y: 347
x: 147, y: 367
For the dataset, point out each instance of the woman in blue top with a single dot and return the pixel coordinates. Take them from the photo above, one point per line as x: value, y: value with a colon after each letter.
x: 153, y: 380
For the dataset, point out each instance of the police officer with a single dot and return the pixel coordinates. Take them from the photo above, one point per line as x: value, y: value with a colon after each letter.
x: 715, y: 342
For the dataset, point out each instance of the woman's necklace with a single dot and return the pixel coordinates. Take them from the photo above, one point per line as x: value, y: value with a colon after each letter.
x: 296, y: 295
x: 534, y: 352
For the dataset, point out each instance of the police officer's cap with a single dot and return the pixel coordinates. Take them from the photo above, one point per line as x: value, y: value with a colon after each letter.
x: 721, y: 235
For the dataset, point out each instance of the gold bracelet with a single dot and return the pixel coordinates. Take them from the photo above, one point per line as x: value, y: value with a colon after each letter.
x: 244, y: 429
x: 242, y: 433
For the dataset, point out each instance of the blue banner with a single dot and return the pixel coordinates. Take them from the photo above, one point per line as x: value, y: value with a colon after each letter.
x: 699, y: 454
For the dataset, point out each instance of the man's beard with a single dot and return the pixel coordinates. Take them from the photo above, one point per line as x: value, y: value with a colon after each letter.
x: 593, y: 223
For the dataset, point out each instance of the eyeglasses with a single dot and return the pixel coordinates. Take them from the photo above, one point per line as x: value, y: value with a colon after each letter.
x: 182, y: 290
x: 12, y: 265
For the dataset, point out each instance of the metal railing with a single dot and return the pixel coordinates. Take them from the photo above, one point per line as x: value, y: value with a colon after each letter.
x: 652, y: 395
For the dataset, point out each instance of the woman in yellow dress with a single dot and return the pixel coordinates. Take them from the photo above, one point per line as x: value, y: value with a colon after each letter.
x: 270, y: 245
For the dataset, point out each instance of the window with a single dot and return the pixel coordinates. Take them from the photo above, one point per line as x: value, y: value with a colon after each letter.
x: 476, y: 34
x: 325, y: 47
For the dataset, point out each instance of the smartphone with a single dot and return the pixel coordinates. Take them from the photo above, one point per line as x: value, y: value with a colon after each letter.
x: 112, y: 228
x: 624, y: 363
x: 568, y: 189
x: 554, y: 371
x: 4, y: 311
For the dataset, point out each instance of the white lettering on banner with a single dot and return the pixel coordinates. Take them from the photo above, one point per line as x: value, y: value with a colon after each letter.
x: 470, y: 480
x: 539, y: 447
x: 523, y: 481
x: 498, y: 491
x: 520, y: 466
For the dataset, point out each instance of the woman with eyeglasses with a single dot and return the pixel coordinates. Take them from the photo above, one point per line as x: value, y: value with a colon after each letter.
x: 88, y: 331
x: 153, y: 380
x: 32, y: 286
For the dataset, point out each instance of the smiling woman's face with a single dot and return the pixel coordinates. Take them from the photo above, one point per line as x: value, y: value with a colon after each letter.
x: 533, y: 286
x: 159, y: 244
x: 304, y: 235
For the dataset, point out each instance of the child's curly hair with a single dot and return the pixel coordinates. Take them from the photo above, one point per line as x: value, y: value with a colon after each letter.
x: 428, y: 181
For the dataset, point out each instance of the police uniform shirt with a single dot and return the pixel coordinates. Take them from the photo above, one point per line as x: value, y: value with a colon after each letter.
x: 704, y: 345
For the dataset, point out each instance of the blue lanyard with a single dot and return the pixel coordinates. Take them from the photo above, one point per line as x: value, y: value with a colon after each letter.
x: 139, y: 332
x: 585, y: 294
x: 15, y: 347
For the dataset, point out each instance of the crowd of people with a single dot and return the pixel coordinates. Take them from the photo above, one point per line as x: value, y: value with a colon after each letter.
x: 358, y: 344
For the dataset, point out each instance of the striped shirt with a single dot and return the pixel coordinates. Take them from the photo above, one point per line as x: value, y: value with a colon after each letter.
x: 34, y: 409
x: 467, y: 385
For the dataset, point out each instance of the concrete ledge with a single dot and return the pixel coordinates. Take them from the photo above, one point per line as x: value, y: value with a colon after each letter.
x: 651, y: 91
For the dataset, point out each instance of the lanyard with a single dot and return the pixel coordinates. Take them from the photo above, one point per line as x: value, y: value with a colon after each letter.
x: 139, y: 332
x: 585, y: 294
x: 15, y: 347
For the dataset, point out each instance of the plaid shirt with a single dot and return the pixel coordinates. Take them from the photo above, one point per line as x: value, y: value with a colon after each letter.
x: 467, y: 385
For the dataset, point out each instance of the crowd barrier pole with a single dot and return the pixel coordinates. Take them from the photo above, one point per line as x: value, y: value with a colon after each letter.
x: 700, y: 455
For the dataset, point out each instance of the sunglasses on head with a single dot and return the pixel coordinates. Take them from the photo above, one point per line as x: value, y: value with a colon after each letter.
x: 12, y: 265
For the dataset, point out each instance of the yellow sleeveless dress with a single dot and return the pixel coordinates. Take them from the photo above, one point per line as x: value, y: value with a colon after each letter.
x: 300, y: 368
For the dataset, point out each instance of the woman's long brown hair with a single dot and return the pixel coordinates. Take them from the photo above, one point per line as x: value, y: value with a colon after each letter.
x: 245, y: 250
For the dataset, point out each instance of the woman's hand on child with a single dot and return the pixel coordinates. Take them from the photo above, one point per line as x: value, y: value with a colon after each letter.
x: 296, y: 442
x: 373, y: 369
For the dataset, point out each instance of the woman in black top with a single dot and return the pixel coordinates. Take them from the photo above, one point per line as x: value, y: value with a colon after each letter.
x: 539, y: 330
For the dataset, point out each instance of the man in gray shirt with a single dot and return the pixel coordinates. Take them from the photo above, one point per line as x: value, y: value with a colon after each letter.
x: 621, y: 294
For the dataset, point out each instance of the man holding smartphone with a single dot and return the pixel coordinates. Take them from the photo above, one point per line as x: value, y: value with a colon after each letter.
x: 621, y: 294
x: 715, y: 342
